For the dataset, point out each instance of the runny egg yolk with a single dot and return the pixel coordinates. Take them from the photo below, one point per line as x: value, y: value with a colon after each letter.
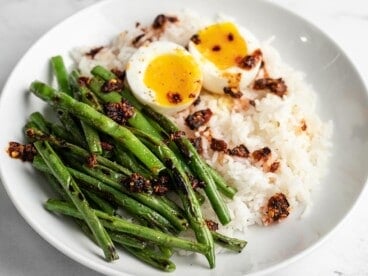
x: 221, y: 44
x: 174, y: 78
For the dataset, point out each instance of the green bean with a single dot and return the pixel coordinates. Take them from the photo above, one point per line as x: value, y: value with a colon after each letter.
x: 185, y: 191
x: 61, y: 144
x: 58, y: 169
x: 233, y: 244
x: 198, y: 166
x: 121, y: 225
x: 99, y: 121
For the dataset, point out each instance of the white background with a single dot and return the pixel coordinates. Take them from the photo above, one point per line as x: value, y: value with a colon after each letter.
x: 24, y: 252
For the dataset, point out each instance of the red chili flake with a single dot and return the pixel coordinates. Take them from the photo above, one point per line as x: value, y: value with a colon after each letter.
x: 136, y: 40
x: 276, y: 86
x: 172, y: 19
x: 91, y: 161
x: 197, y: 143
x: 161, y: 19
x: 112, y: 85
x: 106, y: 146
x: 176, y: 135
x: 261, y: 154
x: 212, y: 226
x: 119, y: 112
x: 218, y: 145
x: 160, y: 190
x: 197, y: 101
x: 277, y: 209
x: 83, y: 81
x: 232, y: 92
x: 137, y: 183
x: 274, y: 166
x: 249, y: 61
x: 240, y: 151
x: 174, y: 98
x: 93, y: 52
x: 198, y: 118
x: 120, y: 74
x: 25, y: 152
x: 160, y: 185
x: 303, y: 125
x: 196, y: 183
x: 195, y: 39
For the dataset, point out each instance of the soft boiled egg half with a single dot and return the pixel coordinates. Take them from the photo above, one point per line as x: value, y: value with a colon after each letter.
x: 165, y: 76
x: 229, y: 56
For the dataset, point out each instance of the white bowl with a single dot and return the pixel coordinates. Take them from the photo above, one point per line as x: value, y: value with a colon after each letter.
x: 342, y: 98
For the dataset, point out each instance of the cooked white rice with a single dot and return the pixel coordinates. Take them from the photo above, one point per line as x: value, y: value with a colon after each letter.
x: 273, y: 122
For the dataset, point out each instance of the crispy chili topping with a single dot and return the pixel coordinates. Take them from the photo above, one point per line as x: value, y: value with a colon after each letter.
x: 106, y: 146
x: 216, y: 48
x: 252, y: 103
x: 93, y: 52
x: 83, y: 81
x: 303, y: 126
x: 261, y: 154
x: 240, y: 151
x: 195, y: 39
x: 249, y: 61
x: 196, y: 183
x: 137, y: 183
x: 174, y: 98
x: 172, y: 19
x: 197, y: 101
x: 161, y: 19
x: 230, y: 37
x: 212, y: 226
x: 176, y: 135
x: 191, y: 95
x: 233, y: 92
x: 277, y: 209
x: 136, y: 40
x: 119, y: 112
x: 91, y: 161
x: 276, y: 86
x: 19, y: 151
x: 120, y: 74
x: 274, y: 166
x: 197, y: 143
x: 218, y: 145
x: 160, y: 189
x: 160, y: 185
x: 198, y: 118
x: 112, y: 85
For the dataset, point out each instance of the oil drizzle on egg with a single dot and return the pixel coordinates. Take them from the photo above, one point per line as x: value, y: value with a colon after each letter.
x: 174, y: 78
x: 222, y: 44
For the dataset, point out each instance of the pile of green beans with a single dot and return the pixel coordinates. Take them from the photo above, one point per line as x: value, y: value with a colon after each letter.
x: 94, y: 195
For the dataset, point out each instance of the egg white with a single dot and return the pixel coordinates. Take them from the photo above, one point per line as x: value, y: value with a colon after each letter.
x: 137, y: 67
x: 215, y: 79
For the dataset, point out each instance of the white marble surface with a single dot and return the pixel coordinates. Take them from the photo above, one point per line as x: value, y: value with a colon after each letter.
x: 24, y: 252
